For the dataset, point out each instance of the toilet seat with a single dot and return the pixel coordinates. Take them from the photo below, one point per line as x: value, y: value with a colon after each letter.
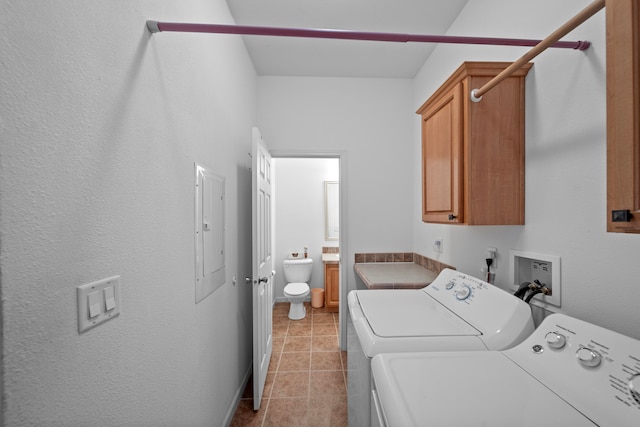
x: 294, y: 289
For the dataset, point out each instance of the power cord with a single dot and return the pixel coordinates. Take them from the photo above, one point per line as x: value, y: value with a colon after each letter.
x: 532, y: 294
x: 532, y: 288
x: 489, y: 264
x: 522, y: 290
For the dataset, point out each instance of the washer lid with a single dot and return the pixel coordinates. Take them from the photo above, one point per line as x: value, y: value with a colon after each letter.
x: 471, y: 388
x: 410, y: 313
x: 296, y: 288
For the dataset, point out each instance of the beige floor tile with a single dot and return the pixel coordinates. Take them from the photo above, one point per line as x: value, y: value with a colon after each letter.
x: 324, y: 343
x: 280, y: 330
x: 246, y: 417
x: 324, y: 329
x: 287, y: 413
x: 294, y: 361
x: 278, y: 344
x: 273, y: 363
x: 326, y: 361
x: 304, y: 321
x: 325, y: 383
x: 281, y: 308
x: 291, y: 384
x: 343, y: 355
x: 323, y: 318
x: 268, y: 385
x: 297, y: 344
x: 280, y: 319
x: 299, y: 329
x: 327, y: 411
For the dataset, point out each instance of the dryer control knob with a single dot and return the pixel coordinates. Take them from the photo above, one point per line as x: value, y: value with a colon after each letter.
x: 463, y: 293
x: 450, y: 285
x: 587, y: 357
x: 634, y: 387
x: 555, y: 340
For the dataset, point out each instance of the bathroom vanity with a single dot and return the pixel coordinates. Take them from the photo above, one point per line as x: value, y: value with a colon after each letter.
x: 331, y: 263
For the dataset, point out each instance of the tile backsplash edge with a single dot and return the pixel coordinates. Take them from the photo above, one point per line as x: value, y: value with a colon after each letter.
x: 330, y: 250
x: 423, y: 261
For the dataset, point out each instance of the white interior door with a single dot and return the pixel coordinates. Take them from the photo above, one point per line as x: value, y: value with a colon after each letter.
x: 262, y: 261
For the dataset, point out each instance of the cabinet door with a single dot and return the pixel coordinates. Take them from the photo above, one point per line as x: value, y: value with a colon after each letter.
x: 623, y: 116
x: 332, y: 286
x: 442, y: 192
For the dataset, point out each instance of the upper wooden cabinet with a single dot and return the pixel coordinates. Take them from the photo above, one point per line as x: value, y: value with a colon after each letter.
x: 623, y: 116
x: 473, y: 153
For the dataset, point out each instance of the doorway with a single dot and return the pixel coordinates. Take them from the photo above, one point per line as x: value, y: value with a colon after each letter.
x: 299, y: 216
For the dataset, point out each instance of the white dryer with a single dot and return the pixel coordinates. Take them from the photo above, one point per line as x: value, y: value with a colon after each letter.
x: 567, y: 373
x: 455, y: 312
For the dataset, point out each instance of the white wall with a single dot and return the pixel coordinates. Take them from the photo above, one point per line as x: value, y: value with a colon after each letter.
x: 100, y: 125
x: 565, y: 166
x: 369, y: 119
x: 299, y: 213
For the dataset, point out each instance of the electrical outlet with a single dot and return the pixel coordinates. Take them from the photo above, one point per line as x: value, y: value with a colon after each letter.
x: 438, y: 244
x: 492, y: 253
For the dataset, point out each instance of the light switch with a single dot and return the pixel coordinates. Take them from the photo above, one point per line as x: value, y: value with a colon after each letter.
x: 98, y: 302
x: 109, y: 298
x: 94, y: 304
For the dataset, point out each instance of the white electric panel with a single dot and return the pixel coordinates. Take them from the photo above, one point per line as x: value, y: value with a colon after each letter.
x: 209, y: 232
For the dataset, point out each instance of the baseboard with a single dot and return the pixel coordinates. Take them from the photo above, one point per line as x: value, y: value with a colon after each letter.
x: 237, y: 396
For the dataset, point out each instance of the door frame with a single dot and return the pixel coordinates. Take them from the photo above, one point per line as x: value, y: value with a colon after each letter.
x: 342, y: 239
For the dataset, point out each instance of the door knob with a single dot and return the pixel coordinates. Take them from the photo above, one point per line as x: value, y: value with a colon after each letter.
x: 249, y: 280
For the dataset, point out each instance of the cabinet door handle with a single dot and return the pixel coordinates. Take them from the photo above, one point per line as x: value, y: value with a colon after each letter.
x: 452, y: 217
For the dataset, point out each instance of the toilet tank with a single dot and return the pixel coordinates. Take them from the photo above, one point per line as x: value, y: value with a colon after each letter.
x: 297, y: 270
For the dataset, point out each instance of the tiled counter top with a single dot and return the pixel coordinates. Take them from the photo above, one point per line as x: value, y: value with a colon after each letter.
x: 394, y: 275
x: 397, y: 270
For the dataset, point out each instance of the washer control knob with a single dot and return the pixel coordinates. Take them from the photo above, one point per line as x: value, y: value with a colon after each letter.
x: 555, y: 340
x: 634, y: 387
x: 450, y: 285
x: 587, y: 357
x: 463, y: 293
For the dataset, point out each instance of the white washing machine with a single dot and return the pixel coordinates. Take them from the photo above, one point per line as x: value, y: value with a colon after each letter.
x: 567, y: 373
x: 456, y: 312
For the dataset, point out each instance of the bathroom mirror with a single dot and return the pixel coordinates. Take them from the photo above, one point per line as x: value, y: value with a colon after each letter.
x: 331, y: 210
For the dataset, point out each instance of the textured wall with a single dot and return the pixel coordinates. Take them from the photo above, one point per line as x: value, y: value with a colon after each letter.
x: 100, y: 125
x: 565, y: 162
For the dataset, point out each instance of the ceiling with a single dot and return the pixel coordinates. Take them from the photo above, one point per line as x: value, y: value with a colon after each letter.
x: 288, y: 56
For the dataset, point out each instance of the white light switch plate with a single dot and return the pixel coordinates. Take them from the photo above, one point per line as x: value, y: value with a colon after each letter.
x: 103, y: 297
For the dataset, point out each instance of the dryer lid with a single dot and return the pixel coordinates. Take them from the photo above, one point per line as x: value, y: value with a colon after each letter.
x: 491, y: 389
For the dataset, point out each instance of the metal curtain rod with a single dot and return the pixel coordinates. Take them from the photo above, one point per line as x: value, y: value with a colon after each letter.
x: 155, y: 27
x: 586, y: 13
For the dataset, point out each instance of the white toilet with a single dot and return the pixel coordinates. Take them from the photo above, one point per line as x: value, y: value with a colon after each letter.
x: 297, y: 273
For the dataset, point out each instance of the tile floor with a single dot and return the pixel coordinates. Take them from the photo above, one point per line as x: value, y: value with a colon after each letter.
x: 306, y: 382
